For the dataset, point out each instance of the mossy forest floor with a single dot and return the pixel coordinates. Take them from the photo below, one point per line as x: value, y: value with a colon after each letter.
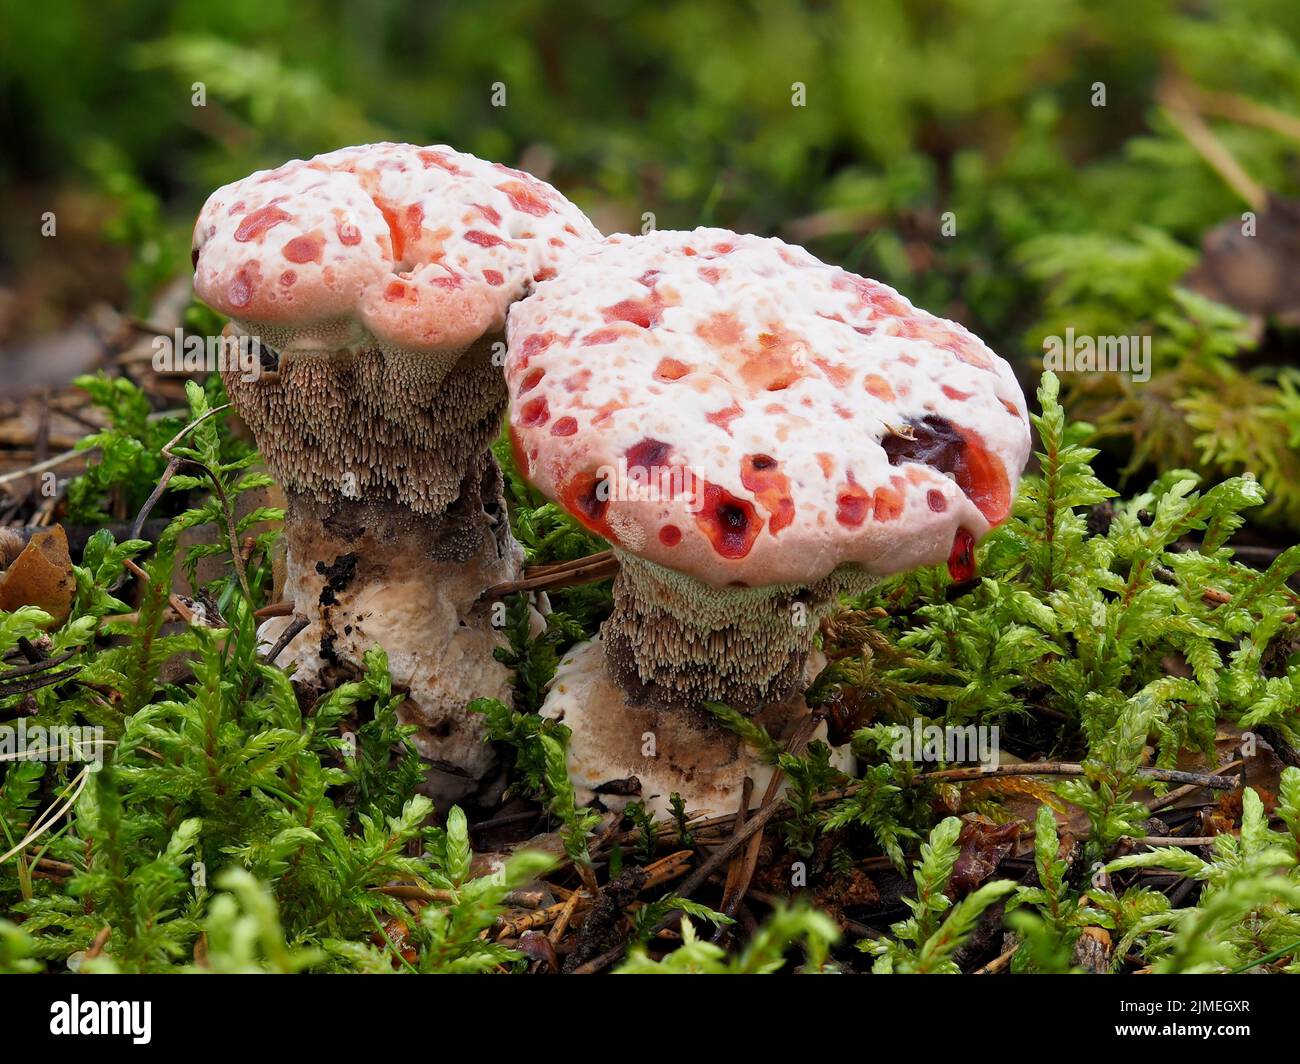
x: 1139, y: 672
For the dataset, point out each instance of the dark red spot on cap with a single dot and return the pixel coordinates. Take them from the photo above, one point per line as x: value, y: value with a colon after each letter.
x: 534, y: 412
x: 729, y: 522
x: 587, y: 498
x: 601, y: 336
x: 938, y: 443
x: 348, y: 233
x: 240, y: 292
x: 565, y: 426
x: 645, y: 456
x: 646, y: 313
x: 535, y: 344
x: 935, y: 498
x: 482, y: 239
x: 305, y: 248
x: 404, y: 225
x: 494, y: 278
x: 961, y: 561
x: 760, y: 473
x: 724, y: 418
x: 888, y: 505
x: 670, y: 535
x: 490, y: 213
x: 852, y: 503
x: 259, y: 221
x: 531, y: 379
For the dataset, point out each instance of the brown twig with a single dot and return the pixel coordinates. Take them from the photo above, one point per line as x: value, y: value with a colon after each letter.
x: 177, y: 603
x: 1066, y: 768
x: 49, y: 463
x: 566, y: 914
x: 1178, y: 793
x: 1240, y: 109
x: 286, y: 637
x: 692, y: 883
x: 35, y: 666
x: 563, y: 574
x: 1180, y: 110
x: 998, y: 963
x: 1175, y: 840
x: 657, y: 873
x: 97, y: 947
x: 174, y: 463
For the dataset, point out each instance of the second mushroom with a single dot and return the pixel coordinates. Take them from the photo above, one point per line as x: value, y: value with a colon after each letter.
x: 376, y: 280
x: 755, y: 432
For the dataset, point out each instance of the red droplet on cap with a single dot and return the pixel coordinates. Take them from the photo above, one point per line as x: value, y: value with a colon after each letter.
x: 961, y: 561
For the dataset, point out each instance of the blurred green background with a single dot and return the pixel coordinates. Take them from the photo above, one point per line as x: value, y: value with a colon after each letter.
x: 1065, y: 212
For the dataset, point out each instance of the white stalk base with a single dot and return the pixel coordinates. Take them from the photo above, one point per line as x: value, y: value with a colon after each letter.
x: 667, y: 750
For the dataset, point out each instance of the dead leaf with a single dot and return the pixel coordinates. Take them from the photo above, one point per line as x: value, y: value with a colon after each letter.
x: 1254, y: 271
x: 535, y: 945
x: 982, y: 844
x: 41, y: 576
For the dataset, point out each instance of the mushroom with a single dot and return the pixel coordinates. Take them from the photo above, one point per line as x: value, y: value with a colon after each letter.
x: 376, y: 281
x: 756, y: 433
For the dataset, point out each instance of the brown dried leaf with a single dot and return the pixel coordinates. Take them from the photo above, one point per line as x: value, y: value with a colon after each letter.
x: 1255, y: 273
x: 41, y: 576
x: 981, y: 846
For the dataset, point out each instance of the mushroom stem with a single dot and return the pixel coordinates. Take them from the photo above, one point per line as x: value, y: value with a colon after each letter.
x: 622, y: 748
x: 395, y: 524
x: 366, y: 574
x: 674, y: 641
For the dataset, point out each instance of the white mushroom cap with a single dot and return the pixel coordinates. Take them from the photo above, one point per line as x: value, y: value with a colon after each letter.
x: 388, y: 245
x: 736, y: 410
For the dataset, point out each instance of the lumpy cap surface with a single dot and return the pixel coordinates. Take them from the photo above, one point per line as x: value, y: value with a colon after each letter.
x: 411, y: 248
x: 736, y: 410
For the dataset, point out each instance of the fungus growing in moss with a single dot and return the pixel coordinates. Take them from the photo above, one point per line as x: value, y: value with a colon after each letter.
x: 755, y: 432
x: 376, y: 281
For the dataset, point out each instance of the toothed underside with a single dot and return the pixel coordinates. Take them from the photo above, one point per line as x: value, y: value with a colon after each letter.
x: 372, y: 425
x: 673, y: 641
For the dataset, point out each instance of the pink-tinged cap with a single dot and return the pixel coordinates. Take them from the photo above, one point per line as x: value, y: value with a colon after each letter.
x: 734, y: 409
x: 419, y: 249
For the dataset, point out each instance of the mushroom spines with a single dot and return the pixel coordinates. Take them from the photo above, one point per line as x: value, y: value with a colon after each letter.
x: 675, y: 641
x: 374, y: 425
